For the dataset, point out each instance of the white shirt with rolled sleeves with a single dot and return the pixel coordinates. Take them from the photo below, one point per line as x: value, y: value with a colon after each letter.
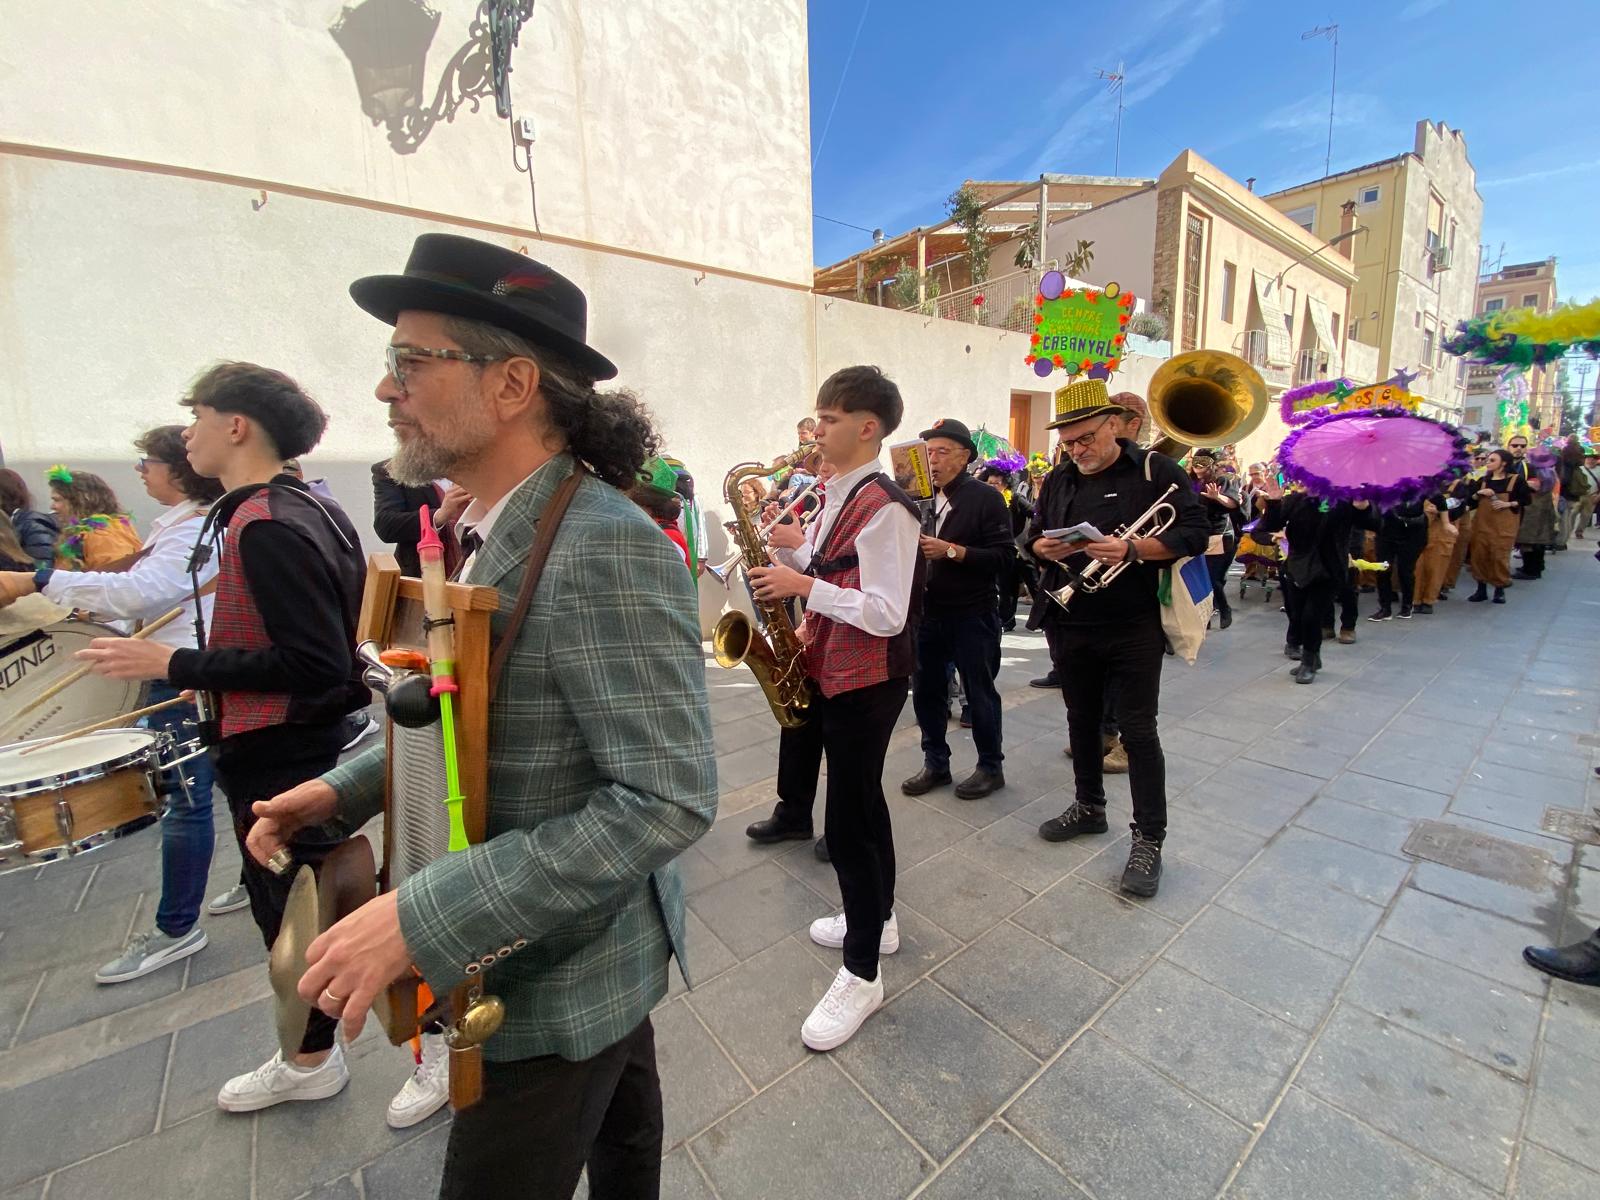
x: 887, y: 548
x: 151, y: 587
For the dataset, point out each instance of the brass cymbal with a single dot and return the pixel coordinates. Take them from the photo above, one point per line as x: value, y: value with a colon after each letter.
x: 287, y: 960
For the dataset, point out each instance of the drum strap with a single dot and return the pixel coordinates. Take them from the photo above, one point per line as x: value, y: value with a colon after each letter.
x: 549, y: 522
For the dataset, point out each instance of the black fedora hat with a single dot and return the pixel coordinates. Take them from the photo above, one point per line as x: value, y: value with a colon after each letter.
x: 463, y: 277
x: 952, y: 430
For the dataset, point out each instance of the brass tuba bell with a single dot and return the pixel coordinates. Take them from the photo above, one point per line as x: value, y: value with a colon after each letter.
x: 1205, y: 398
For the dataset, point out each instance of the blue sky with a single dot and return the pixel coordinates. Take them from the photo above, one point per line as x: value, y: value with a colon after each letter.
x: 937, y: 92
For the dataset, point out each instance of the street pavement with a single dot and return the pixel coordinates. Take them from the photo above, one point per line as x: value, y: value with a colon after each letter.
x: 1326, y: 999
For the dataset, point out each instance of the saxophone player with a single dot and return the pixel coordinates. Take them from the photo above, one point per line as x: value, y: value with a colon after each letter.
x: 859, y: 570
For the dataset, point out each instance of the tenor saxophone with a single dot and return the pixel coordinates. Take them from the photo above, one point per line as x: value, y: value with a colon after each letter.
x: 776, y: 660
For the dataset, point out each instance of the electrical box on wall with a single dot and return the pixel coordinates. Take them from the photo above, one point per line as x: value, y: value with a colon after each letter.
x: 525, y: 130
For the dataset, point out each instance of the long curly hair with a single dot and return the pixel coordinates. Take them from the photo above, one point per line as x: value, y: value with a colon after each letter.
x: 86, y: 495
x: 611, y: 433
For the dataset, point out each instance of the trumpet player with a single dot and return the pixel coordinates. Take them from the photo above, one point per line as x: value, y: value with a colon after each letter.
x: 1111, y: 636
x: 859, y: 569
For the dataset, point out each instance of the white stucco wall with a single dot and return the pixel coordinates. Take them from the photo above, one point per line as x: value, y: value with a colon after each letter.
x: 1124, y: 237
x: 674, y: 127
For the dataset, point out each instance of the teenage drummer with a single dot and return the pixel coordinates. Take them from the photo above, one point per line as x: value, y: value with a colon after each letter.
x: 156, y: 582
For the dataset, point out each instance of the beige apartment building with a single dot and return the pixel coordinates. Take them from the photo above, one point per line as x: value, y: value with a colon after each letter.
x: 1519, y: 285
x: 1414, y: 222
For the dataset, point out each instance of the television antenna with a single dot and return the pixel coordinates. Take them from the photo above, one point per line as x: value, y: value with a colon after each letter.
x: 1330, y: 32
x: 1116, y: 79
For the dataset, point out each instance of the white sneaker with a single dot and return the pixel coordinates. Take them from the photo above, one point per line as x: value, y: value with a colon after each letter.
x: 361, y: 727
x: 428, y: 1088
x: 837, y: 1016
x: 829, y: 931
x: 229, y: 901
x: 275, y: 1081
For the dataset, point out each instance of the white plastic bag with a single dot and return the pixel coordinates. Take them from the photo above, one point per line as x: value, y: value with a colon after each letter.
x: 1186, y: 601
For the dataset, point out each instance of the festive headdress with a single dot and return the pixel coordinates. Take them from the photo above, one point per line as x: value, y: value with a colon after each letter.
x: 1081, y: 400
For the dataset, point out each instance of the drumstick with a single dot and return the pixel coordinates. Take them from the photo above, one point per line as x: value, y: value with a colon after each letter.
x: 110, y: 723
x: 66, y: 681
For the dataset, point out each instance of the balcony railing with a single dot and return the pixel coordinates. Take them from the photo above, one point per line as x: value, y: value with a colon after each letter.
x: 1253, y: 349
x: 1005, y: 302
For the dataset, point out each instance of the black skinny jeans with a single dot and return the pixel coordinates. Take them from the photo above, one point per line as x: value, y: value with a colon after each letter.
x: 1310, y: 608
x: 1401, y: 551
x: 972, y: 645
x: 1218, y: 565
x: 542, y: 1120
x: 799, y: 764
x: 855, y: 728
x: 1089, y: 659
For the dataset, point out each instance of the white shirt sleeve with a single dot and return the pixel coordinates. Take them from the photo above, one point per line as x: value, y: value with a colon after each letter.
x: 156, y: 583
x: 887, y: 548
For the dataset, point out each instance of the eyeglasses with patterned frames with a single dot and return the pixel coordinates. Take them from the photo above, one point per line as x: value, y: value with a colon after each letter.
x: 394, y: 357
x: 1084, y: 440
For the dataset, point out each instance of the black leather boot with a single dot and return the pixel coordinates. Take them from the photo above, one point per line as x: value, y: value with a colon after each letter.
x: 979, y: 784
x: 1578, y: 963
x: 924, y: 781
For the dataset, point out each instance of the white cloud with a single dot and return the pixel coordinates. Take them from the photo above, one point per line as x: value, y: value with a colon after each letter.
x: 1582, y: 168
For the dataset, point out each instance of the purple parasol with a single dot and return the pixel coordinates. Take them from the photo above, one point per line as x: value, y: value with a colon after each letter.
x: 1385, y: 455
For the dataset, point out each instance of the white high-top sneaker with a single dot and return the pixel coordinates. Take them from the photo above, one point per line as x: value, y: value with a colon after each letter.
x: 829, y: 931
x: 837, y: 1016
x: 428, y: 1088
x: 275, y: 1081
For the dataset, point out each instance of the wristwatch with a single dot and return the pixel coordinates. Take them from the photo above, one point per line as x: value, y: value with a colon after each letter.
x: 949, y: 551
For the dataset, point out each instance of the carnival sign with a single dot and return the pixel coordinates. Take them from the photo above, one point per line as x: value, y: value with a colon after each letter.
x: 1081, y: 331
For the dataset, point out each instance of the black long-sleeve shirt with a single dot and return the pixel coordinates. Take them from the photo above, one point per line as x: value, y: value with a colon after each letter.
x: 1319, y: 535
x: 977, y: 520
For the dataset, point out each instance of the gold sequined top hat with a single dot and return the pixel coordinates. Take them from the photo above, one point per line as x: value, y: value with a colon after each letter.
x: 1081, y: 400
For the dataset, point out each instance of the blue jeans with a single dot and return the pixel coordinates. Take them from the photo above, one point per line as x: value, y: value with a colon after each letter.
x: 186, y: 830
x: 972, y: 645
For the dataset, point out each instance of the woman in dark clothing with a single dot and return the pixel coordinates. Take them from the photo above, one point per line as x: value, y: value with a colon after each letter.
x: 1497, y: 511
x: 1402, y: 535
x: 1317, y: 563
x: 36, y: 531
x: 1019, y: 572
x: 1219, y: 494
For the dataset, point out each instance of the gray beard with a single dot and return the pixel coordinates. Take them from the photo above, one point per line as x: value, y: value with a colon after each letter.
x: 417, y: 464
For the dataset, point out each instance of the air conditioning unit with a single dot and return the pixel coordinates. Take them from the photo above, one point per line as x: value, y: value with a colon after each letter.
x: 1441, y: 258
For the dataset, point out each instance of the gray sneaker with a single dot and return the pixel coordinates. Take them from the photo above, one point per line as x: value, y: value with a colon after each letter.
x: 150, y: 951
x: 229, y: 901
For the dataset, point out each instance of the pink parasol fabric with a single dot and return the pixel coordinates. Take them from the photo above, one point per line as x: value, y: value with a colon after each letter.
x: 1385, y: 455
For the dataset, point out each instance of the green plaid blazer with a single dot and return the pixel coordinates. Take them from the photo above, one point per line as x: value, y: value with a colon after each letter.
x: 601, y: 772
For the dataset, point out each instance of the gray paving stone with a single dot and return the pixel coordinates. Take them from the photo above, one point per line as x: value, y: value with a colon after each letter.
x: 1313, y: 858
x: 1317, y: 913
x: 1539, y: 908
x: 698, y: 1083
x: 411, y: 1171
x: 210, y: 1053
x: 1566, y: 1105
x: 1527, y: 785
x: 15, y: 994
x: 921, y: 832
x: 708, y: 957
x: 1082, y: 1111
x: 1186, y: 887
x: 233, y: 942
x: 1312, y: 1152
x: 343, y: 1188
x: 1441, y: 744
x: 772, y: 1142
x: 67, y: 1117
x: 1215, y: 845
x: 1399, y: 767
x: 1015, y: 850
x: 1293, y: 981
x: 35, y: 945
x: 27, y: 1191
x: 1572, y: 1020
x: 206, y: 1157
x: 820, y: 877
x: 1356, y: 823
x: 1219, y: 1047
x: 1186, y: 743
x: 938, y: 1070
x: 1398, y: 799
x: 1322, y: 761
x: 746, y: 766
x: 1113, y: 935
x: 757, y: 908
x: 756, y: 1009
x: 1494, y: 1024
x: 127, y: 876
x: 70, y: 996
x: 960, y: 895
x: 29, y: 895
x: 1000, y: 1159
x: 1040, y: 1006
x: 1259, y: 797
x: 1569, y: 766
x: 729, y: 851
x: 1463, y: 936
x: 1441, y: 1103
x: 347, y: 1130
x: 1498, y: 808
x: 1545, y: 1176
x: 697, y: 871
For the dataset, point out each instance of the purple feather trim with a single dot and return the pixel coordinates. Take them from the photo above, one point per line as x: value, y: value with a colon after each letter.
x: 1294, y: 395
x: 1385, y: 495
x: 1008, y: 462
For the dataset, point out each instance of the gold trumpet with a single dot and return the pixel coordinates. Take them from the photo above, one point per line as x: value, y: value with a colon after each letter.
x: 723, y: 571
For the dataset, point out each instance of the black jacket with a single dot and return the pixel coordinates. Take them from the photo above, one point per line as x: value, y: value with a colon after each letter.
x: 979, y: 521
x: 394, y: 515
x: 1319, y: 536
x: 37, y: 532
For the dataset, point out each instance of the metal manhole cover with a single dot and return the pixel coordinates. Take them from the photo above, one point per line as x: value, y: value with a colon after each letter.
x: 1570, y: 823
x: 1481, y: 854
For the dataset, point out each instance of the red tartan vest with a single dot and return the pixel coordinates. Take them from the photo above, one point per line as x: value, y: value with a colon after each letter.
x: 236, y: 625
x: 840, y: 657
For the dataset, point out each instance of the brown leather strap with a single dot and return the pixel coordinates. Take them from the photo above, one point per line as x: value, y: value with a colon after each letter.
x: 549, y: 522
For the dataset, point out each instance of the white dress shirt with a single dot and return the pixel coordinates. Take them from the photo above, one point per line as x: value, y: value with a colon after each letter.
x: 887, y: 547
x: 154, y: 585
x: 479, y: 518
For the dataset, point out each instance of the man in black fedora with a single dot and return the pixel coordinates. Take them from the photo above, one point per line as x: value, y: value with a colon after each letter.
x: 601, y: 768
x: 1111, y: 636
x: 966, y: 540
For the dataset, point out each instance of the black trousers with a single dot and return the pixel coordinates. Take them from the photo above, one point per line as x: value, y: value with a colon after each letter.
x: 972, y: 645
x: 542, y: 1120
x: 855, y: 728
x: 799, y: 764
x: 1218, y: 565
x: 257, y: 766
x: 1089, y: 658
x: 1348, y: 591
x: 1533, y: 560
x: 1401, y: 551
x: 1310, y: 610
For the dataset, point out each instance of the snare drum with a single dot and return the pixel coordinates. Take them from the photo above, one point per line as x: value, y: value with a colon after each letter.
x: 34, y: 661
x: 76, y: 795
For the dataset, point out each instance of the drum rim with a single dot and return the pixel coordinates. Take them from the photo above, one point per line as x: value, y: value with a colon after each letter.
x: 143, y: 756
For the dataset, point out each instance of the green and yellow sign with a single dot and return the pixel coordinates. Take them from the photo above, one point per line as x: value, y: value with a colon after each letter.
x: 1079, y: 330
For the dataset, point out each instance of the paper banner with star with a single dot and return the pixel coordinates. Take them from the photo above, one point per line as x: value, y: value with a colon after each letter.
x: 1081, y: 331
